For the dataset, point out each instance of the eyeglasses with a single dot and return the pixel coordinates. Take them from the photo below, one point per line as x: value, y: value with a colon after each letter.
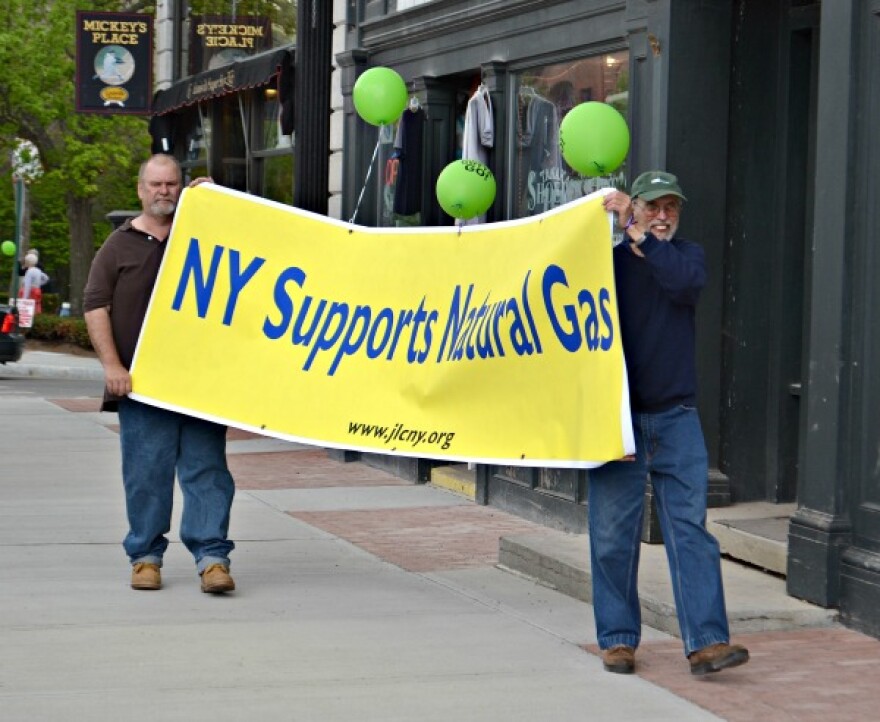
x: 670, y: 208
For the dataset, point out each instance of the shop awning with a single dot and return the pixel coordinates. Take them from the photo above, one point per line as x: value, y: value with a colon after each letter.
x: 246, y: 73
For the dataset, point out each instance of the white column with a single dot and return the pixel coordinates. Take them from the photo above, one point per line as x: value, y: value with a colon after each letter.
x: 334, y: 207
x: 163, y: 45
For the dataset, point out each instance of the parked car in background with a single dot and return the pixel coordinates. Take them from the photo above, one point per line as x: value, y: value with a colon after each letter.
x: 11, y: 340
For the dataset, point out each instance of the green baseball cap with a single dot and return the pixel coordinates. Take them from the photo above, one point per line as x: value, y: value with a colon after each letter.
x: 655, y: 184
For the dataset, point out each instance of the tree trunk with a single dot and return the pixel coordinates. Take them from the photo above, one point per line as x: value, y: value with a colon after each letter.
x: 82, y: 249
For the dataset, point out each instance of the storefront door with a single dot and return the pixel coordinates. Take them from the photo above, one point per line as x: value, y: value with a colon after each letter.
x: 767, y: 259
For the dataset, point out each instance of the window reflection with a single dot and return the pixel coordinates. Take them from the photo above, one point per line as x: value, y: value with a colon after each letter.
x: 272, y: 23
x: 197, y: 141
x: 277, y: 178
x: 271, y: 121
x: 272, y: 150
x: 542, y: 180
x: 406, y: 4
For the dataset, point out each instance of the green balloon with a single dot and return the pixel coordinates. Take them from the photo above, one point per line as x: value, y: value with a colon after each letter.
x: 465, y: 189
x: 594, y: 138
x: 379, y: 96
x: 8, y: 248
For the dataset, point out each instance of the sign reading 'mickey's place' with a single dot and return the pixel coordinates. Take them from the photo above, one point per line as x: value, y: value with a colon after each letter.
x: 114, y: 62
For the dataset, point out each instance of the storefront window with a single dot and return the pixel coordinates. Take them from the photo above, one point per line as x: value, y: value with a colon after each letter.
x: 277, y: 178
x: 273, y: 150
x: 272, y: 136
x: 388, y: 171
x: 542, y: 180
x: 367, y: 9
x: 197, y: 143
x: 399, y: 169
x: 406, y: 4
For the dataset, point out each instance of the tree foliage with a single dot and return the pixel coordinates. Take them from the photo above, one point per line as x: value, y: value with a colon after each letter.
x: 89, y: 161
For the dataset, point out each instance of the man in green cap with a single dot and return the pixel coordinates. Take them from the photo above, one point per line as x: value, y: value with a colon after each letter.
x: 658, y: 277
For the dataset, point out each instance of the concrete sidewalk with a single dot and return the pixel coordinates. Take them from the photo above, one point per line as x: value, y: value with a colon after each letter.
x: 756, y: 601
x: 360, y: 596
x: 51, y: 365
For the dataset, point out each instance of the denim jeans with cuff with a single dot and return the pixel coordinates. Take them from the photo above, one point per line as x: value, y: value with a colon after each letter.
x: 669, y: 446
x: 156, y: 445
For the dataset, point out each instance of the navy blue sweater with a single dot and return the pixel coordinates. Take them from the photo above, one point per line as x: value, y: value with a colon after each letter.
x: 657, y: 297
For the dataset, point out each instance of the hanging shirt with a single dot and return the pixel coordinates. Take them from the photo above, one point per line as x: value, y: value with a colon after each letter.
x: 537, y: 157
x: 479, y: 134
x: 479, y: 127
x: 540, y: 132
x: 408, y: 150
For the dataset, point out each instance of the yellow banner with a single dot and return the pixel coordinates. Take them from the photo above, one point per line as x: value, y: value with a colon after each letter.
x: 494, y: 343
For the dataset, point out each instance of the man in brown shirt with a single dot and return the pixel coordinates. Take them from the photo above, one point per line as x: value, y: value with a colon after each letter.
x: 156, y: 443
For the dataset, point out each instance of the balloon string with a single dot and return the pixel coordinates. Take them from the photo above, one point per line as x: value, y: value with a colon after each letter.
x: 367, y: 179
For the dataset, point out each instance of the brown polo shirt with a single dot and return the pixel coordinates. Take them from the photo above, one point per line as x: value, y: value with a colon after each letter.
x: 121, y: 278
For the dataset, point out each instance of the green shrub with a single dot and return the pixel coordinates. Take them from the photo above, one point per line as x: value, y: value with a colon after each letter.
x: 44, y: 327
x: 66, y: 330
x: 51, y: 302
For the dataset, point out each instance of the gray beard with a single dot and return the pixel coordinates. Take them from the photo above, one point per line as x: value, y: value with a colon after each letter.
x: 673, y: 229
x: 163, y: 208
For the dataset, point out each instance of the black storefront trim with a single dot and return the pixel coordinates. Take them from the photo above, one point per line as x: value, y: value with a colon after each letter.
x: 248, y: 73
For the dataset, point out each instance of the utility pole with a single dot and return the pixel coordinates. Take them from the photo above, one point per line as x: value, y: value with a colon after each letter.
x: 19, y: 186
x: 311, y: 107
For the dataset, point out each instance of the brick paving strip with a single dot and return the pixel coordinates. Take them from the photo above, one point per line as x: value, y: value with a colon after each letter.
x: 78, y: 405
x: 424, y: 539
x: 811, y: 675
x: 303, y: 469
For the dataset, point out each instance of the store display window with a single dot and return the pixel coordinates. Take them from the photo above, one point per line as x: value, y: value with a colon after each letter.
x: 272, y: 149
x: 541, y: 179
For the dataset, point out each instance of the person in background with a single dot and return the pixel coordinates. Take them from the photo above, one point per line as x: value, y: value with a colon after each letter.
x: 156, y: 443
x: 33, y: 281
x: 658, y: 277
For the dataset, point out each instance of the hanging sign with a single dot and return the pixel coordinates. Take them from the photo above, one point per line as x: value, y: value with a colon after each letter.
x: 114, y: 62
x: 27, y: 308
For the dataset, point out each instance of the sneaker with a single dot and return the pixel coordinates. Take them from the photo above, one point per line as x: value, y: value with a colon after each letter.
x: 145, y: 575
x: 620, y: 659
x: 716, y: 657
x: 216, y: 579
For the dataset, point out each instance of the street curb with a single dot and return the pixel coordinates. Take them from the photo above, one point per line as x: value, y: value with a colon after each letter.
x: 38, y: 371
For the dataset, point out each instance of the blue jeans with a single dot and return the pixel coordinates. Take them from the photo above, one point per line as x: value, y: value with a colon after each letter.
x: 669, y: 446
x: 156, y: 443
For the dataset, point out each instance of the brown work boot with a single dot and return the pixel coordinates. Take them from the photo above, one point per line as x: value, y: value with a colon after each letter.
x: 216, y: 579
x: 620, y: 659
x: 145, y: 575
x: 716, y: 657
